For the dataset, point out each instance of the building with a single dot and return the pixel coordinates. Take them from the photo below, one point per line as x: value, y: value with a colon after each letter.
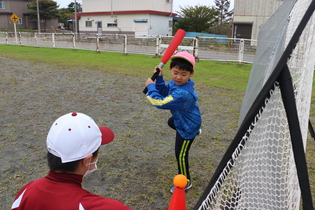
x: 19, y: 8
x: 250, y: 14
x: 136, y: 17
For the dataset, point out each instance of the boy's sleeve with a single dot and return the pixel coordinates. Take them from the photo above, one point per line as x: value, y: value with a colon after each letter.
x: 161, y: 87
x: 173, y: 101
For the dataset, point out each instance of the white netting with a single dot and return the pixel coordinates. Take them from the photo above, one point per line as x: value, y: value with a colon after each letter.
x: 301, y: 65
x: 262, y: 172
x: 260, y: 176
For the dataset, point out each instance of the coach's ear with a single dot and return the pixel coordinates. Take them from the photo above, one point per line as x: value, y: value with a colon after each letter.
x: 87, y: 160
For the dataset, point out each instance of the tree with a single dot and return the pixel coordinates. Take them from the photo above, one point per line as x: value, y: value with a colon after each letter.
x: 48, y: 10
x: 64, y: 16
x: 66, y: 13
x: 72, y: 7
x: 224, y: 17
x: 196, y: 19
x: 225, y: 29
x: 222, y: 7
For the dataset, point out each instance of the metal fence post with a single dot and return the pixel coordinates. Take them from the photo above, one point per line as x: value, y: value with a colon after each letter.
x: 195, y: 48
x: 35, y: 37
x: 6, y: 38
x: 241, y: 51
x: 20, y: 38
x: 73, y: 41
x: 97, y: 43
x: 125, y: 45
x: 53, y: 40
x: 158, y: 46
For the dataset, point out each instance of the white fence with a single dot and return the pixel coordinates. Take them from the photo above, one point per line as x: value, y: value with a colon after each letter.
x: 204, y: 48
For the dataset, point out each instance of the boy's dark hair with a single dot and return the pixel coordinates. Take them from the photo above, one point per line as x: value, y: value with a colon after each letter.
x: 55, y: 163
x: 182, y: 64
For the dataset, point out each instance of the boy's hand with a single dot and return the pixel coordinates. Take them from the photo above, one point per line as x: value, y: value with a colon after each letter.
x: 161, y: 71
x: 157, y: 72
x: 149, y: 81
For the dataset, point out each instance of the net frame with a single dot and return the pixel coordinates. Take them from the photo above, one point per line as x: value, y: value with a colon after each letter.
x: 278, y: 83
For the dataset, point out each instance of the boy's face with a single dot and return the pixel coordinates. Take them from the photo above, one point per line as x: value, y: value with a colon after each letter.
x: 180, y: 76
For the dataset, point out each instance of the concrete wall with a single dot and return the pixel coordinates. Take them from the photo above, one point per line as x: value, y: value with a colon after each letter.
x: 254, y: 12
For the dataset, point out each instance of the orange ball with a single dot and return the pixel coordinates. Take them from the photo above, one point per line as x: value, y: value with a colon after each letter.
x: 180, y: 181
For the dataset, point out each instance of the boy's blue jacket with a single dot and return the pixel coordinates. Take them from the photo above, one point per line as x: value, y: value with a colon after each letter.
x: 181, y: 101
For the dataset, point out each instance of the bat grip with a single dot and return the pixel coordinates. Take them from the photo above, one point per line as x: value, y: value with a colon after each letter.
x: 154, y: 76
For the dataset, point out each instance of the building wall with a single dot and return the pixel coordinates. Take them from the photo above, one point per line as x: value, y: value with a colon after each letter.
x: 127, y: 24
x: 124, y: 23
x: 19, y: 8
x: 262, y: 8
x: 254, y: 12
x: 157, y: 14
x: 160, y: 25
x: 124, y: 5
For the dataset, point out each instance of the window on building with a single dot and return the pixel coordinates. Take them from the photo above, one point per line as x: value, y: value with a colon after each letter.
x: 2, y: 6
x: 140, y: 20
x: 88, y: 23
x: 111, y: 24
x: 242, y: 30
x: 19, y: 21
x: 168, y: 1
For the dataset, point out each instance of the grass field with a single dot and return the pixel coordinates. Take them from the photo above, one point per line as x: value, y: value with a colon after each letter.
x: 226, y: 82
x: 219, y: 74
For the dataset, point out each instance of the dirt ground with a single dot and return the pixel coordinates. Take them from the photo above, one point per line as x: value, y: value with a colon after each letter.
x: 139, y: 166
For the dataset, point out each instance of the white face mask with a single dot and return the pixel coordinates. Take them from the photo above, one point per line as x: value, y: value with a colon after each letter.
x: 89, y: 171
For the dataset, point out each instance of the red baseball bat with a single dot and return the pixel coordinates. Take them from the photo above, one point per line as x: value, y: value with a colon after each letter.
x: 177, y: 39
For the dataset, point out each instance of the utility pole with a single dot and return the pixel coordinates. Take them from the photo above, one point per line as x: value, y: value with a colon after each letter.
x: 38, y: 18
x: 75, y: 16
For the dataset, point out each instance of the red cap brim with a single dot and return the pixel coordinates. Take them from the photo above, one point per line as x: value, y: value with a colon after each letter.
x: 107, y: 135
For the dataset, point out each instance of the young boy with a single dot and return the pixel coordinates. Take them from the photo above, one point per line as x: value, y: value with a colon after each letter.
x: 179, y: 97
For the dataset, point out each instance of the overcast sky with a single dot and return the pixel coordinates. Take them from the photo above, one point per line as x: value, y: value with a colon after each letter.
x: 176, y: 3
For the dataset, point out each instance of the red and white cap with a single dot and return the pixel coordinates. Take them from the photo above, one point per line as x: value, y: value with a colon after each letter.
x: 185, y: 55
x: 75, y: 135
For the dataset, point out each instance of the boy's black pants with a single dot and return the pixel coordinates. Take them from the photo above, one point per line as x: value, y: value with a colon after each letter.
x: 182, y: 147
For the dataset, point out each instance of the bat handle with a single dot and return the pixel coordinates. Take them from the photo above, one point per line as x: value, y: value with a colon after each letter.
x: 154, y: 76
